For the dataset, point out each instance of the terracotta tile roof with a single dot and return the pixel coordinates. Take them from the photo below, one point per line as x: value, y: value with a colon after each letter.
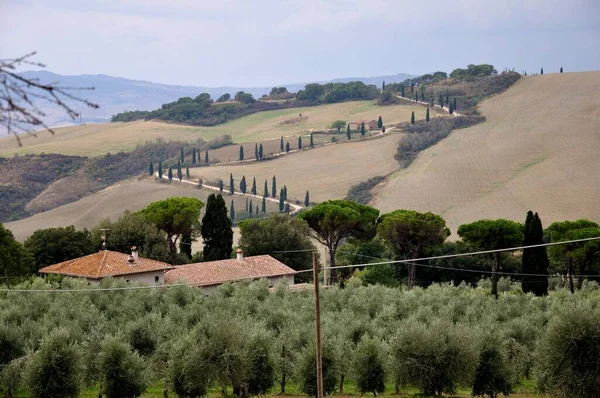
x: 217, y: 272
x: 105, y: 263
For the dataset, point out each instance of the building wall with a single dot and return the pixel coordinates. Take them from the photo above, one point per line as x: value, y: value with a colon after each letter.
x: 146, y: 278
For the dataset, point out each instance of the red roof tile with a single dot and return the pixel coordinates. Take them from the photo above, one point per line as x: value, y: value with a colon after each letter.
x: 217, y: 272
x: 105, y: 263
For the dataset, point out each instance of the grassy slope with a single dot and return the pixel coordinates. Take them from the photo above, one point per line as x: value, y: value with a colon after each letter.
x: 111, y: 203
x: 537, y: 150
x: 98, y: 139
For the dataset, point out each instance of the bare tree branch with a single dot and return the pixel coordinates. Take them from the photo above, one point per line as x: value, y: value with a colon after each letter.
x: 20, y: 98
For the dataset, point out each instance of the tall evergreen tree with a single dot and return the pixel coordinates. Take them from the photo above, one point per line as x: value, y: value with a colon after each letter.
x: 287, y: 208
x: 281, y: 201
x: 535, y: 260
x: 348, y: 132
x: 412, y: 117
x: 260, y: 152
x: 170, y: 174
x: 281, y: 144
x: 231, y: 213
x: 412, y: 88
x: 256, y: 151
x: 250, y: 207
x: 179, y: 173
x: 300, y: 143
x: 402, y: 90
x: 241, y: 152
x: 454, y: 104
x: 312, y: 143
x: 287, y: 147
x: 416, y: 96
x: 274, y: 187
x: 450, y: 108
x: 253, y: 190
x: 266, y: 190
x: 221, y: 186
x: 362, y: 129
x: 427, y: 115
x: 441, y: 100
x: 193, y: 155
x: 264, y: 205
x: 307, y: 199
x: 383, y: 86
x: 151, y: 169
x: 160, y: 169
x: 231, y: 184
x: 561, y: 70
x: 187, y: 172
x: 243, y: 185
x: 448, y: 97
x: 181, y: 156
x: 542, y: 71
x: 284, y: 192
x: 247, y: 203
x: 206, y: 157
x: 380, y: 122
x: 256, y: 212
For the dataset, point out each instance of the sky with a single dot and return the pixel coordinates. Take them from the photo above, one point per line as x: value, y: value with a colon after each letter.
x: 268, y: 42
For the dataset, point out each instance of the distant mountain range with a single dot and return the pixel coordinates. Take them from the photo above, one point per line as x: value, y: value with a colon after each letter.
x: 117, y: 94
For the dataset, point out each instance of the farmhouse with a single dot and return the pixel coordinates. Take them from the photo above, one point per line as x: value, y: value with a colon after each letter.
x: 369, y: 125
x: 211, y: 274
x: 107, y: 263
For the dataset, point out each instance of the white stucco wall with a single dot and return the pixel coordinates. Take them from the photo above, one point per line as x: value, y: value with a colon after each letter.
x: 146, y: 278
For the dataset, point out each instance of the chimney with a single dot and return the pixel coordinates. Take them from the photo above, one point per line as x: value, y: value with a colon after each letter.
x: 131, y: 260
x: 134, y: 253
x: 240, y: 255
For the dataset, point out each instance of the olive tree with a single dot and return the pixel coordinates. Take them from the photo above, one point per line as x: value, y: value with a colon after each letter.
x: 369, y: 367
x: 122, y: 370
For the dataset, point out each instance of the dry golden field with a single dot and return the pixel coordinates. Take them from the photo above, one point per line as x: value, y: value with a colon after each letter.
x: 326, y: 172
x: 539, y: 149
x: 98, y: 139
x: 112, y: 202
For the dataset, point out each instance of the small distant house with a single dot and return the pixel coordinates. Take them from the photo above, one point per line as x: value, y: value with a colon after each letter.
x: 211, y: 274
x: 107, y: 263
x: 369, y: 125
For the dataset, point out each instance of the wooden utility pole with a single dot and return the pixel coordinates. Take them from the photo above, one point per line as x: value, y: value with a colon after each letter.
x: 318, y: 327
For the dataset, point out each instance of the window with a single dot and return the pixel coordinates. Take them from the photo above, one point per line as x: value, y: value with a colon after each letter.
x: 156, y: 279
x: 127, y: 280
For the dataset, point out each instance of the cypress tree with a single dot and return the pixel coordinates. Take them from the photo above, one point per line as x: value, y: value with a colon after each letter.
x: 264, y: 205
x: 246, y: 204
x: 187, y: 172
x: 307, y: 199
x: 221, y: 186
x: 447, y: 96
x: 416, y: 96
x: 256, y: 151
x: 216, y: 229
x: 362, y: 129
x: 312, y: 144
x: 380, y: 122
x: 243, y: 185
x: 348, y: 132
x: 231, y: 184
x: 193, y: 155
x: 412, y: 117
x: 260, y: 151
x: 402, y: 90
x: 412, y: 88
x: 561, y: 69
x: 170, y: 174
x: 281, y: 202
x: 206, y: 157
x: 281, y: 145
x: 181, y: 157
x: 540, y: 256
x: 284, y: 192
x: 383, y: 86
x: 151, y: 169
x: 300, y: 143
x: 179, y: 173
x: 241, y: 152
x: 250, y: 207
x: 266, y: 190
x: 274, y: 187
x: 253, y: 190
x: 287, y: 147
x: 542, y: 71
x: 454, y: 104
x: 199, y: 182
x: 441, y: 100
x: 450, y: 108
x: 160, y: 170
x: 427, y: 115
x: 287, y: 208
x: 256, y: 210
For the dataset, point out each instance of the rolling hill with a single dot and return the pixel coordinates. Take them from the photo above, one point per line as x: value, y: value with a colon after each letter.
x: 537, y: 150
x: 117, y: 94
x: 99, y: 139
